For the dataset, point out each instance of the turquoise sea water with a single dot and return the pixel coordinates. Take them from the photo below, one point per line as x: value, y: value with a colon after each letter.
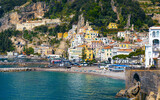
x: 57, y: 86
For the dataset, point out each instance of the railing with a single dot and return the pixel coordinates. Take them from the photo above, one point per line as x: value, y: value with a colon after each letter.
x: 142, y: 68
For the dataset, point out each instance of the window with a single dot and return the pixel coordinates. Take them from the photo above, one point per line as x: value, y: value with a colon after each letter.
x: 157, y: 35
x: 154, y: 34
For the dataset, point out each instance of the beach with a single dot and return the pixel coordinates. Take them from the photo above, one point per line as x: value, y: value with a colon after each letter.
x: 87, y: 70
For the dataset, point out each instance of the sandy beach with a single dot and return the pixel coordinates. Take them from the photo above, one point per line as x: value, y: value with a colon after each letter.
x: 88, y: 70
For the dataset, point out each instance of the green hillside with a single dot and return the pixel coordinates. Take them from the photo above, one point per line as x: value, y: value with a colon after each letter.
x: 98, y: 12
x: 8, y: 5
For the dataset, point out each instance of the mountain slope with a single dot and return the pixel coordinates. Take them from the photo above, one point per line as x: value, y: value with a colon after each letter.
x: 100, y: 12
x: 8, y: 5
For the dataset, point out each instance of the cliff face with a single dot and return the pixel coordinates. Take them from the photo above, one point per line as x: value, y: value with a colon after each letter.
x: 80, y: 22
x: 21, y: 14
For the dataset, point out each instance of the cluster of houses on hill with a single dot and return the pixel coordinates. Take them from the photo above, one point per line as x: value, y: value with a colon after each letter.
x: 88, y: 42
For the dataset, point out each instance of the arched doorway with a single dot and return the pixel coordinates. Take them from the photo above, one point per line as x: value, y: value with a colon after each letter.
x: 109, y: 60
x: 136, y: 77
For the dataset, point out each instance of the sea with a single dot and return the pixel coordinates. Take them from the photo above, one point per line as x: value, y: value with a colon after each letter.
x: 57, y: 86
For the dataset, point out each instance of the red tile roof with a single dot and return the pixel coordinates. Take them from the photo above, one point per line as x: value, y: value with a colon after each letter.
x: 128, y: 50
x: 108, y: 47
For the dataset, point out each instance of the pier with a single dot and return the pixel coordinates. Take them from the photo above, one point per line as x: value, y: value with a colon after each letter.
x: 15, y: 69
x: 23, y: 63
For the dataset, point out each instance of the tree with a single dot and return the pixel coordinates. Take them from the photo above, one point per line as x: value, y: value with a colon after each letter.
x: 29, y: 51
x: 83, y: 55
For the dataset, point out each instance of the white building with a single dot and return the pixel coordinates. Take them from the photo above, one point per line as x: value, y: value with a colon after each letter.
x: 105, y: 40
x: 121, y: 34
x: 78, y: 40
x: 75, y: 54
x: 124, y: 51
x: 153, y: 48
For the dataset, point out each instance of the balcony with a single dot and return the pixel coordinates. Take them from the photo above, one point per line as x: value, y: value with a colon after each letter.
x: 156, y: 48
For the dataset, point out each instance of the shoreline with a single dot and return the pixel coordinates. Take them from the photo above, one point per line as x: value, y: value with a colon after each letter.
x: 83, y: 70
x: 87, y: 70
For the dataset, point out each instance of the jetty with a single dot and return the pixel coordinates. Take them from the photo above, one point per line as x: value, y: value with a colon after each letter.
x: 15, y: 69
x: 23, y: 63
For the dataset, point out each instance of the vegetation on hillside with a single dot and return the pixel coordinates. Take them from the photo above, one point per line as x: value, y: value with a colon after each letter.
x: 136, y: 53
x: 5, y: 42
x: 138, y: 17
x: 28, y: 35
x: 29, y: 50
x: 52, y: 31
x: 8, y: 5
x: 98, y: 12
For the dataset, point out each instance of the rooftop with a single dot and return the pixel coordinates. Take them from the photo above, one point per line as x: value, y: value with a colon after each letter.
x: 127, y: 50
x: 155, y: 27
x: 97, y: 41
x: 81, y: 45
x: 107, y: 47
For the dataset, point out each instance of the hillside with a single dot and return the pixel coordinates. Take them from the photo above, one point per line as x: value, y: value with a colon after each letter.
x: 100, y: 12
x: 8, y: 5
x: 151, y: 8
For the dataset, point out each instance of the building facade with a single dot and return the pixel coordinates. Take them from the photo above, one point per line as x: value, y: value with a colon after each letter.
x: 153, y: 48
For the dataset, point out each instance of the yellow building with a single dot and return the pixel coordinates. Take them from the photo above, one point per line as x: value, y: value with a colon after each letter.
x: 65, y: 35
x: 89, y: 54
x: 91, y: 35
x: 125, y: 45
x: 112, y: 26
x: 60, y: 35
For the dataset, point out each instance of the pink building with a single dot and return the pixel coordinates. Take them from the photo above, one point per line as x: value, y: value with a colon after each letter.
x: 95, y: 44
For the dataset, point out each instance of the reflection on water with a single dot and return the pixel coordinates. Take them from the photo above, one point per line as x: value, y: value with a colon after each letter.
x: 57, y: 86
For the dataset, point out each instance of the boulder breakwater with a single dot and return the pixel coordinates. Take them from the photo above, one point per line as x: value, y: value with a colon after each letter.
x: 15, y: 69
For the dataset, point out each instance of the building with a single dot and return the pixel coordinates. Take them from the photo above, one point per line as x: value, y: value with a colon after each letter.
x: 60, y: 35
x: 29, y: 25
x: 75, y: 54
x: 90, y: 35
x: 95, y: 44
x: 97, y: 53
x: 44, y: 50
x: 112, y: 26
x: 125, y: 45
x: 89, y: 54
x: 12, y: 54
x: 124, y: 51
x: 106, y: 54
x: 152, y: 49
x: 121, y: 34
x: 77, y: 40
x: 65, y: 35
x: 105, y: 40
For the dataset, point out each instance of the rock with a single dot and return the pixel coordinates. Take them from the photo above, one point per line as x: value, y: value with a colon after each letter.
x: 80, y: 22
x: 23, y: 13
x: 121, y: 93
x: 114, y: 8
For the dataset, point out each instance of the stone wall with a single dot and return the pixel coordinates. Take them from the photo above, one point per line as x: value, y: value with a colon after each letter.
x: 149, y: 79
